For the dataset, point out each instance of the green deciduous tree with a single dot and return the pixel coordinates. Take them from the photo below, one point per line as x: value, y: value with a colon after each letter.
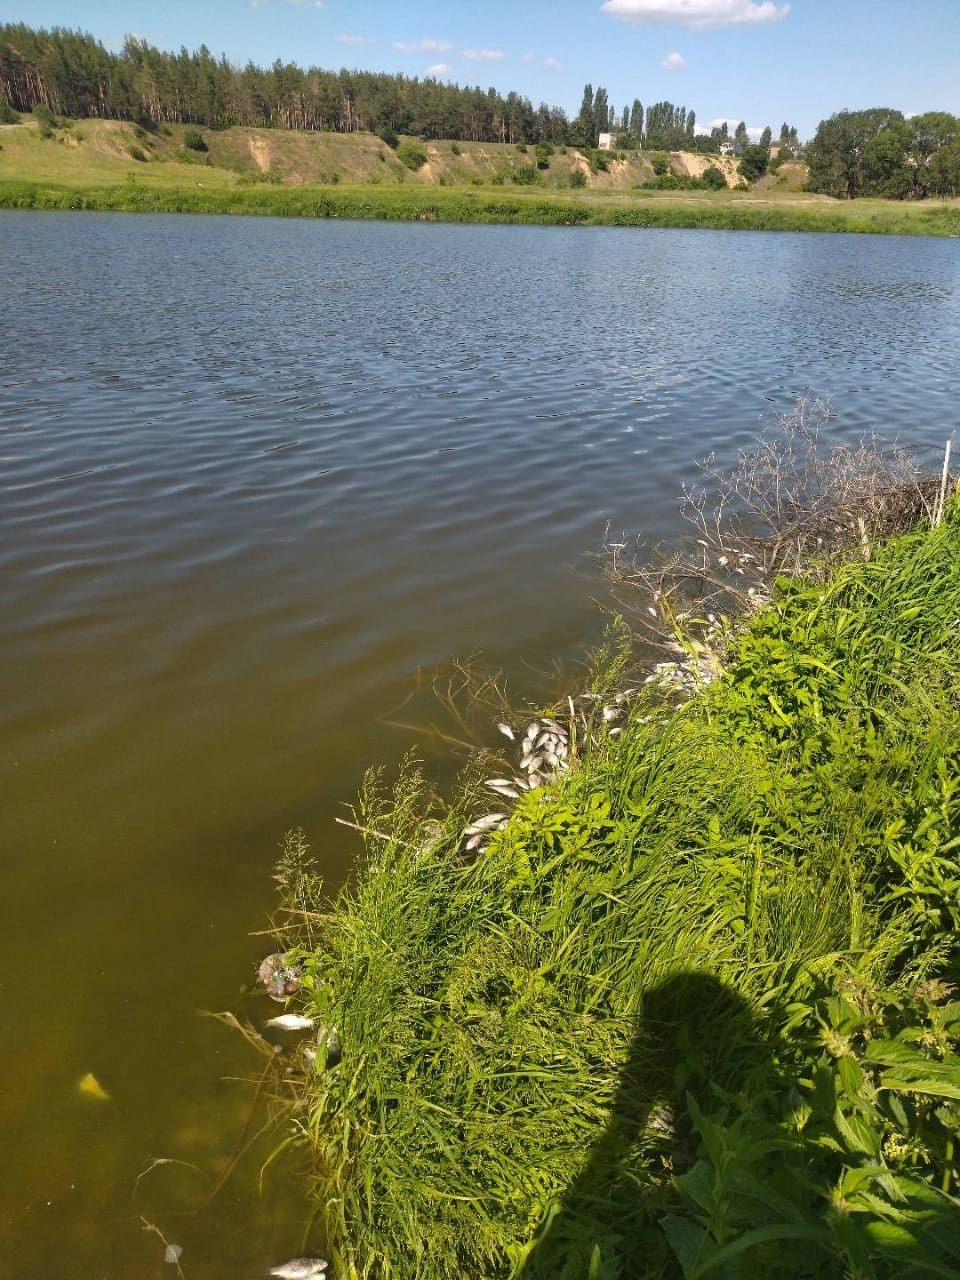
x: 753, y: 162
x: 836, y: 156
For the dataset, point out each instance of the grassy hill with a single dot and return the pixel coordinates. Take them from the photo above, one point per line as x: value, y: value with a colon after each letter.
x: 98, y: 150
x: 117, y: 165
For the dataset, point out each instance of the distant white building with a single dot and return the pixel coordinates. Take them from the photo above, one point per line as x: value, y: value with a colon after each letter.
x: 726, y: 148
x: 605, y: 141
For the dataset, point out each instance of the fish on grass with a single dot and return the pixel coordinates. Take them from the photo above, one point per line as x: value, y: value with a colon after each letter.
x: 300, y: 1269
x: 292, y: 1022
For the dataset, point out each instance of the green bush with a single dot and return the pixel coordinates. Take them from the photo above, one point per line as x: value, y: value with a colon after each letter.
x: 660, y: 162
x: 522, y: 148
x: 137, y: 153
x: 713, y: 179
x: 578, y: 178
x: 527, y: 175
x: 543, y: 153
x: 7, y: 113
x: 753, y: 163
x: 455, y: 150
x: 193, y: 140
x: 412, y: 155
x: 387, y: 136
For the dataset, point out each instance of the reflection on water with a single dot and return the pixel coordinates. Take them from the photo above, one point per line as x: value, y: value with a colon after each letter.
x: 256, y: 476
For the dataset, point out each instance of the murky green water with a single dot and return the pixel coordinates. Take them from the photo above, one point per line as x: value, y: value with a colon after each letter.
x: 257, y: 479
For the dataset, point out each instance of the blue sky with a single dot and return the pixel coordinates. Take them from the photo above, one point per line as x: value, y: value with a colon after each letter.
x: 762, y: 61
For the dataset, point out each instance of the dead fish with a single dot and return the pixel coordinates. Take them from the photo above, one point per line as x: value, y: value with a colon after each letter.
x: 507, y: 732
x: 329, y: 1039
x: 485, y: 823
x: 475, y: 841
x: 280, y: 978
x: 610, y: 713
x: 292, y: 1022
x: 503, y: 787
x: 173, y: 1253
x: 300, y: 1269
x: 533, y: 728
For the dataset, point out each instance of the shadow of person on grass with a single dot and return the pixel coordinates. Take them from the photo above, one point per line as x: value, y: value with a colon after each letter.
x: 693, y: 1032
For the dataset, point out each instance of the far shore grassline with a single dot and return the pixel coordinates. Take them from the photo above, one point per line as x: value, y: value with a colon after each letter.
x: 493, y: 206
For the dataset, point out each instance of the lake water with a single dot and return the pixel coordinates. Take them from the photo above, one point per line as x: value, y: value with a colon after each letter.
x: 259, y: 481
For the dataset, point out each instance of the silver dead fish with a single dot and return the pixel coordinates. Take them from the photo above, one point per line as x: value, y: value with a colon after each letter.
x: 300, y: 1269
x: 291, y: 1022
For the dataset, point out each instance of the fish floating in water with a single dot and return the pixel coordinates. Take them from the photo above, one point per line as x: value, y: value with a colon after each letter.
x: 292, y: 1022
x: 300, y: 1269
x: 280, y: 978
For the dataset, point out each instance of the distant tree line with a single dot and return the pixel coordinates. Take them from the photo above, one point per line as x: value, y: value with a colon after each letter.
x: 69, y: 73
x: 880, y: 152
x: 72, y: 74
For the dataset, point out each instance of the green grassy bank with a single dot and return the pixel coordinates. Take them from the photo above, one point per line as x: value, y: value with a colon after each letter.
x: 688, y: 1013
x: 727, y: 211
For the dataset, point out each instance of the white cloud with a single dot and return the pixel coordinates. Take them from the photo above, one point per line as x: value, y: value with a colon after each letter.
x: 698, y: 14
x: 754, y: 131
x: 484, y: 55
x: 343, y: 38
x: 422, y: 46
x: 438, y: 69
x: 529, y: 57
x: 674, y: 62
x: 552, y: 64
